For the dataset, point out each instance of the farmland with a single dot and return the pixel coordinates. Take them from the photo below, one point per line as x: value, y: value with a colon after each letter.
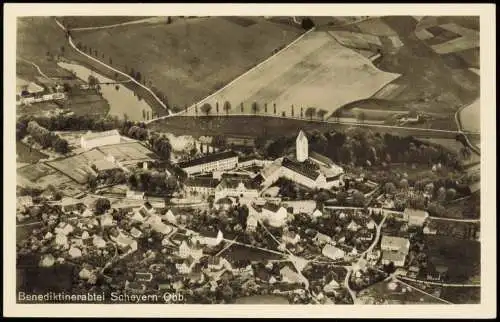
x: 78, y: 167
x: 27, y: 155
x: 315, y: 72
x: 462, y: 257
x: 190, y: 59
x: 132, y: 152
x: 96, y: 21
x: 425, y: 84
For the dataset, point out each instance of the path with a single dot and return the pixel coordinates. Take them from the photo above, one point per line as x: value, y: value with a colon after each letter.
x: 456, y: 220
x: 36, y: 66
x: 438, y: 283
x: 133, y: 22
x: 70, y: 40
x: 424, y: 292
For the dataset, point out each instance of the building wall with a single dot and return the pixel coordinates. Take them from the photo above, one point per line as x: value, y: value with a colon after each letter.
x: 296, y: 177
x: 302, y: 147
x: 225, y: 164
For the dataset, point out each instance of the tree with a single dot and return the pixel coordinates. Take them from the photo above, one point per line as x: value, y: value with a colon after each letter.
x: 441, y: 194
x: 92, y: 81
x: 144, y: 114
x: 169, y: 20
x: 451, y: 193
x: 360, y: 116
x: 61, y: 146
x: 227, y: 107
x: 217, y: 107
x: 62, y: 50
x: 292, y: 112
x: 389, y: 268
x: 390, y: 188
x: 403, y: 184
x: 310, y: 111
x: 321, y: 113
x: 110, y: 61
x: 255, y: 107
x: 274, y: 107
x: 358, y: 199
x: 138, y: 76
x: 102, y: 205
x: 265, y: 107
x: 241, y: 106
x: 307, y: 23
x: 206, y: 108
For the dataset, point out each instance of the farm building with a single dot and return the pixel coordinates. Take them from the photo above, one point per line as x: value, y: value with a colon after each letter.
x: 201, y: 185
x: 214, y: 162
x: 92, y: 140
x: 236, y: 187
x: 415, y: 217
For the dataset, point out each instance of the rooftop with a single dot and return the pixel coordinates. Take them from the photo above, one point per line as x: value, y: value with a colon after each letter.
x: 207, y: 159
x: 271, y: 207
x: 202, y: 182
x: 399, y: 242
x: 300, y: 168
x: 233, y: 183
x: 320, y: 157
x: 416, y: 212
x: 393, y: 256
x: 97, y: 135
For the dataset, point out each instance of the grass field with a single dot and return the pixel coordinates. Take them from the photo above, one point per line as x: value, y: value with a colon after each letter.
x: 188, y: 60
x: 35, y: 171
x: 425, y: 84
x: 78, y: 167
x: 462, y: 257
x: 27, y: 155
x: 470, y: 117
x: 133, y: 151
x: 315, y: 72
x: 380, y: 293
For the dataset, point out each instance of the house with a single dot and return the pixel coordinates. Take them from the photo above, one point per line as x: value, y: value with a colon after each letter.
x: 390, y: 243
x: 201, y: 185
x: 236, y: 188
x: 143, y: 276
x: 107, y: 220
x: 98, y: 242
x: 395, y: 257
x: 75, y: 252
x: 415, y: 217
x: 170, y: 217
x: 61, y: 240
x: 24, y: 201
x: 210, y: 238
x: 187, y: 249
x: 301, y: 206
x: 290, y: 237
x: 430, y: 228
x: 136, y: 195
x: 213, y: 162
x: 93, y: 140
x: 64, y: 229
x: 317, y: 214
x: 332, y: 252
x: 353, y: 226
x: 289, y: 276
x: 366, y: 236
x: 136, y: 233
x: 322, y: 239
x: 215, y: 263
x: 124, y: 241
x: 331, y: 287
x: 275, y: 215
x: 252, y: 222
x: 371, y: 224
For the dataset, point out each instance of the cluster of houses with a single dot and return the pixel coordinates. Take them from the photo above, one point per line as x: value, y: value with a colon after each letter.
x: 30, y: 92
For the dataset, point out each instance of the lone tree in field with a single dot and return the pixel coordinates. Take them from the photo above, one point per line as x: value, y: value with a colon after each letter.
x: 301, y: 112
x: 241, y: 107
x: 321, y: 113
x: 196, y: 109
x: 274, y: 106
x: 307, y: 23
x: 255, y: 107
x: 227, y: 107
x: 310, y: 112
x: 110, y: 61
x: 265, y: 107
x: 361, y: 117
x: 206, y: 108
x: 217, y: 107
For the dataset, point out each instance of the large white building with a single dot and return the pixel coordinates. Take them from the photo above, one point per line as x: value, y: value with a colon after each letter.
x: 236, y: 187
x: 213, y: 162
x: 93, y: 140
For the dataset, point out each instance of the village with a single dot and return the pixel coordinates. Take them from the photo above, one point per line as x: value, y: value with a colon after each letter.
x: 224, y: 225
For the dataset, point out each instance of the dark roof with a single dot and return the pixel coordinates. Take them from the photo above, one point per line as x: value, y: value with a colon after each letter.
x: 300, y: 168
x: 320, y: 157
x: 225, y: 200
x: 248, y: 158
x: 257, y: 180
x: 207, y: 159
x: 202, y: 182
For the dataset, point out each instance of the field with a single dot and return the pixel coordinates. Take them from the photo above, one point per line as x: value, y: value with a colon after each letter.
x: 35, y: 171
x: 315, y: 72
x: 262, y: 126
x: 431, y: 83
x: 380, y: 293
x: 78, y: 167
x: 95, y: 21
x: 27, y: 155
x: 41, y: 175
x: 462, y: 257
x: 218, y: 50
x: 470, y: 117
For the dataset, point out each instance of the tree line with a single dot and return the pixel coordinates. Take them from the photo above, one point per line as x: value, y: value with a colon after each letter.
x: 44, y: 137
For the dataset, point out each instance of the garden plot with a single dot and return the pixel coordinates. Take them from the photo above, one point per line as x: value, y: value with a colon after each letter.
x: 78, y: 167
x: 132, y: 151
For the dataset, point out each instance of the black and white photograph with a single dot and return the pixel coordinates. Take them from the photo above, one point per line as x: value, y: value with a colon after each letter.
x: 244, y: 158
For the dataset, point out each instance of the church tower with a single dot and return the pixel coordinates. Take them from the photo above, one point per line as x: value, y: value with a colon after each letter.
x: 302, y: 147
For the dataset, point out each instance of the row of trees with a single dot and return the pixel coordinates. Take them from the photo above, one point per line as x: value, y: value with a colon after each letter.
x: 46, y: 138
x: 309, y: 112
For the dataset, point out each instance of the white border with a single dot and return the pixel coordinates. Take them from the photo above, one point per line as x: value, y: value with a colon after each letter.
x: 487, y: 308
